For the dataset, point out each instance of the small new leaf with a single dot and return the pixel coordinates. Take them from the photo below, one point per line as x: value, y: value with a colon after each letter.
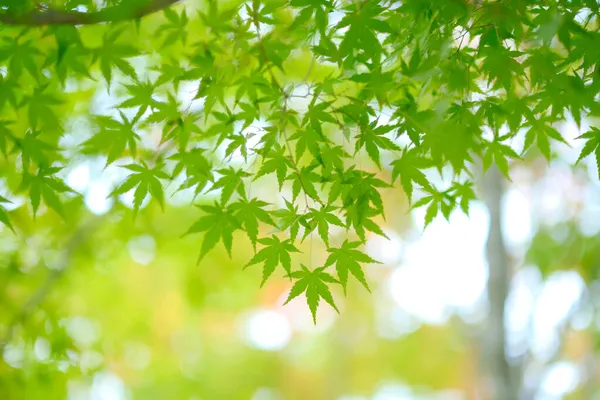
x: 347, y: 259
x: 314, y: 284
x: 250, y: 213
x: 218, y: 223
x: 46, y: 186
x: 231, y: 181
x: 321, y: 219
x: 113, y: 138
x: 437, y: 201
x: 146, y: 181
x: 289, y: 218
x: 274, y: 253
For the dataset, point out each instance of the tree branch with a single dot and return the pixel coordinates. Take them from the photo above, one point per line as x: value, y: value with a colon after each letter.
x: 500, y: 372
x: 122, y: 12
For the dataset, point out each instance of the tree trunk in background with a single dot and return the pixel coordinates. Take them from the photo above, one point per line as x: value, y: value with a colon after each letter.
x: 499, y: 373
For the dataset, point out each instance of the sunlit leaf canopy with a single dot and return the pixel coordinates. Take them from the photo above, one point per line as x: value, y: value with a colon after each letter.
x: 216, y: 99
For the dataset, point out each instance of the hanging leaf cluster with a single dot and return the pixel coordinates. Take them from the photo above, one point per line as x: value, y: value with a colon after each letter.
x: 332, y: 101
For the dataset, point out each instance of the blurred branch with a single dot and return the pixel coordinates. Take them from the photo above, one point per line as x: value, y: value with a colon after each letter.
x: 52, y: 279
x: 121, y: 12
x: 501, y: 374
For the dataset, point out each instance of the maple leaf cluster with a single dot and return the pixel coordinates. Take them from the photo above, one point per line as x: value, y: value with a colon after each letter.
x: 301, y: 91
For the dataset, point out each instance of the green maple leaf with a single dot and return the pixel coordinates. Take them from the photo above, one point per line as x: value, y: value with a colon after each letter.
x: 363, y: 24
x: 412, y: 67
x: 218, y: 21
x: 416, y: 124
x: 33, y: 149
x: 45, y: 186
x: 316, y: 115
x: 377, y: 84
x: 322, y: 90
x: 327, y: 50
x: 141, y: 96
x: 146, y: 181
x: 8, y: 90
x: 437, y: 201
x: 358, y: 215
x: 238, y: 142
x: 112, y: 55
x: 549, y: 22
x: 501, y: 67
x: 39, y: 108
x: 321, y: 219
x: 314, y: 284
x: 359, y: 189
x: 450, y: 142
x: 320, y: 9
x: 74, y: 62
x: 274, y: 253
x: 356, y: 112
x: 541, y: 133
x: 592, y: 145
x: 203, y: 61
x: 65, y: 37
x: 230, y: 181
x: 268, y: 140
x: 542, y: 65
x: 223, y: 129
x: 372, y: 139
x: 4, y: 215
x: 249, y: 86
x: 165, y: 111
x: 465, y: 192
x: 289, y: 218
x: 72, y: 57
x: 20, y: 55
x: 198, y: 170
x: 409, y: 168
x: 5, y: 135
x: 213, y: 90
x: 275, y: 161
x: 113, y: 138
x: 305, y: 181
x: 175, y: 30
x: 276, y: 51
x: 178, y: 126
x: 247, y: 114
x: 249, y: 213
x: 347, y: 259
x: 309, y: 139
x: 174, y: 74
x: 219, y: 224
x: 332, y: 158
x: 499, y: 152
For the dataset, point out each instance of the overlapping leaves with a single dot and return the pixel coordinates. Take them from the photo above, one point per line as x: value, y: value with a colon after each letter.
x: 389, y: 99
